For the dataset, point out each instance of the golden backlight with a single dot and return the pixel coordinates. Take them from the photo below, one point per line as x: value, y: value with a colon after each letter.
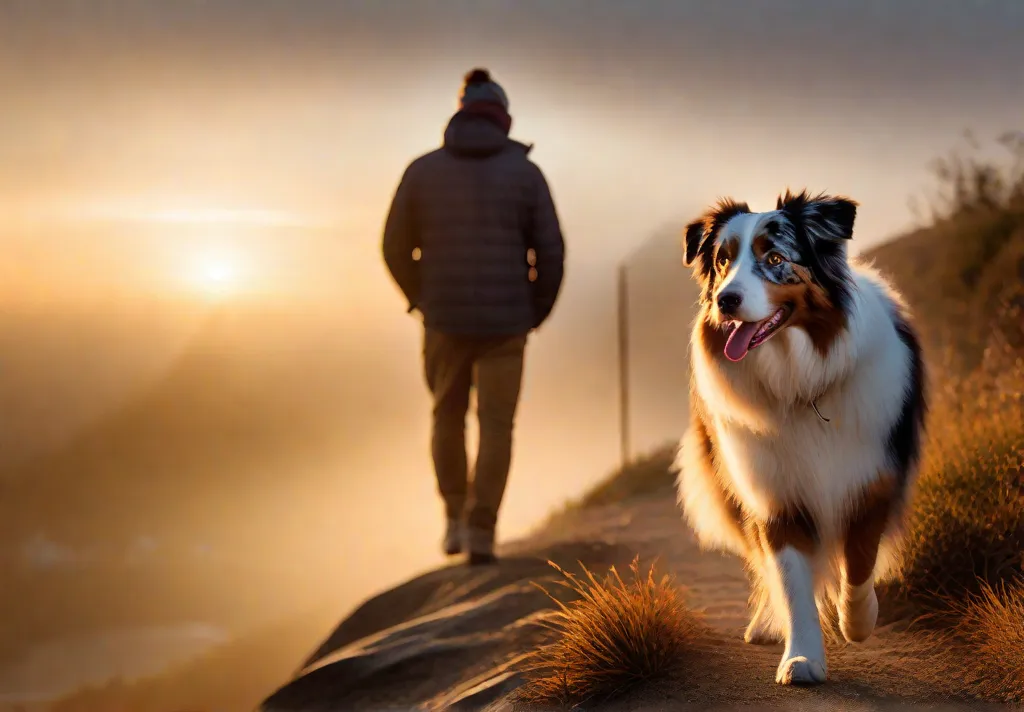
x: 212, y: 399
x: 212, y: 248
x: 217, y: 274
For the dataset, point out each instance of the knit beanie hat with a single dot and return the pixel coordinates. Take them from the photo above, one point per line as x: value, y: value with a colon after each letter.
x: 479, y: 87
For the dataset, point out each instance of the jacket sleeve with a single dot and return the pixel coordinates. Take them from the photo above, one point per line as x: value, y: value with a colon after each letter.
x: 549, y: 250
x: 401, y: 237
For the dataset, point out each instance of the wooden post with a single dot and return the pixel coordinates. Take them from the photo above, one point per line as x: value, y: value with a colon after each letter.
x: 624, y: 364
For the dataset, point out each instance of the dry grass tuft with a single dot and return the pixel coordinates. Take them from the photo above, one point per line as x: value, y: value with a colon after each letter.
x: 992, y: 625
x: 616, y: 634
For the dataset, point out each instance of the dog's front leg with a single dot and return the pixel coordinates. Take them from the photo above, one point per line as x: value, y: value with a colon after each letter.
x: 803, y: 661
x: 790, y: 543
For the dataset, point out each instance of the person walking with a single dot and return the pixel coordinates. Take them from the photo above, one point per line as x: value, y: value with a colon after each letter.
x: 473, y: 240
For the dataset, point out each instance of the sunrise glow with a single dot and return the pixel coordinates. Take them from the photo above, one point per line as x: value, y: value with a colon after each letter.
x: 217, y: 274
x: 234, y: 216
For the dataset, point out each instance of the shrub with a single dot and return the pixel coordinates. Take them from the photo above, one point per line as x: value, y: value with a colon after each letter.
x: 966, y: 532
x: 614, y: 635
x: 972, y: 184
x: 963, y: 560
x: 966, y: 529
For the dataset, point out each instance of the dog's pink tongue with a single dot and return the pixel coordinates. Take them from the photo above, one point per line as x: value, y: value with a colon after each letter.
x: 739, y: 340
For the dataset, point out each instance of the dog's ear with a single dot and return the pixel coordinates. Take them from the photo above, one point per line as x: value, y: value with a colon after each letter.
x: 831, y: 218
x: 827, y: 223
x: 707, y: 226
x: 695, y: 234
x: 825, y: 217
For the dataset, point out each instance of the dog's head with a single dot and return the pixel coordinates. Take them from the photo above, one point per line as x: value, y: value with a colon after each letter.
x: 761, y: 273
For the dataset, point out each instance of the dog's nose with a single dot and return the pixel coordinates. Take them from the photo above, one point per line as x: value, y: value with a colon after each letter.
x: 729, y: 302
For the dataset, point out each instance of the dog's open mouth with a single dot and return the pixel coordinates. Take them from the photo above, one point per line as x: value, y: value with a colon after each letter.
x: 747, y: 335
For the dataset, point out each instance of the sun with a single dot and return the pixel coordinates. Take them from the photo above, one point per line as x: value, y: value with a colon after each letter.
x: 216, y: 275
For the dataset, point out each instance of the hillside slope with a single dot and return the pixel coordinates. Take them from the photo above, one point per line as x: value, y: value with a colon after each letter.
x: 964, y: 280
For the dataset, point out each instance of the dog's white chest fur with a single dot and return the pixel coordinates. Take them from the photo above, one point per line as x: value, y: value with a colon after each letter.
x: 774, y: 449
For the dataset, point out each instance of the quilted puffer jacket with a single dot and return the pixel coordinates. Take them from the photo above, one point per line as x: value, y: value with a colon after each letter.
x: 472, y: 209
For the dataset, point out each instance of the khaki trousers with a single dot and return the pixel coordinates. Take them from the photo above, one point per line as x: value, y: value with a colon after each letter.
x: 453, y: 366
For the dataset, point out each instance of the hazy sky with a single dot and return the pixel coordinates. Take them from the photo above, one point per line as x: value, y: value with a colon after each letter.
x: 259, y: 142
x: 641, y: 111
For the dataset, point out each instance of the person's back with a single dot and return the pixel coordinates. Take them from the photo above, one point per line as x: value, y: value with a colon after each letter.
x: 473, y: 207
x: 456, y: 241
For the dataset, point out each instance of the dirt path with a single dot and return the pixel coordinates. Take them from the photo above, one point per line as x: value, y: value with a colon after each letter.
x: 893, y: 667
x: 450, y: 640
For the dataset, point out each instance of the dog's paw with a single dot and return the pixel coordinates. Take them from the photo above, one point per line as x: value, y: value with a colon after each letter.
x: 800, y: 671
x: 857, y: 617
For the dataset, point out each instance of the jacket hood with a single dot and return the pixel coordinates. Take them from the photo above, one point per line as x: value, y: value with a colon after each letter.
x: 475, y: 136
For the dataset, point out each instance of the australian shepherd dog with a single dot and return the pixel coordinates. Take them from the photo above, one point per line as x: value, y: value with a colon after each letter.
x: 807, y: 413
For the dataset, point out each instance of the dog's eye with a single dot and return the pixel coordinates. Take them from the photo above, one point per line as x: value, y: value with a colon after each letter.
x: 774, y: 259
x: 723, y: 260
